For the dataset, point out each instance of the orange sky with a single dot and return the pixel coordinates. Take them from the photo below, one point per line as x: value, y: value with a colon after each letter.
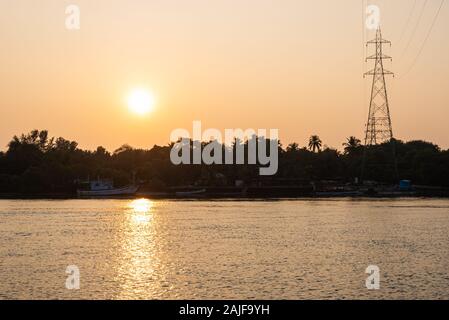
x: 288, y: 64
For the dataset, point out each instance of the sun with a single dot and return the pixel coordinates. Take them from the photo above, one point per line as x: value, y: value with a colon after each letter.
x: 141, y: 101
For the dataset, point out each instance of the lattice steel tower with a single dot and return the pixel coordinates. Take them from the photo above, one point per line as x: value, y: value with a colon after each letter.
x: 378, y: 128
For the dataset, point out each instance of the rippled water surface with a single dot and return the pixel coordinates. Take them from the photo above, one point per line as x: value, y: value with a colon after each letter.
x: 301, y: 249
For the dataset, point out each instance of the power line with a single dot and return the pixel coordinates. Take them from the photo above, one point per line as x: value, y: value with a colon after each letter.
x: 408, y: 21
x: 363, y: 26
x: 416, y: 28
x: 426, y: 38
x: 364, y: 36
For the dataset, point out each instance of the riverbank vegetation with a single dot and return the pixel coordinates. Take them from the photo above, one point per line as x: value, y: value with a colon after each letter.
x: 38, y: 163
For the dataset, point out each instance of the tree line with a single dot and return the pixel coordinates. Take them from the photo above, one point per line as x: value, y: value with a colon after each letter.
x: 38, y: 163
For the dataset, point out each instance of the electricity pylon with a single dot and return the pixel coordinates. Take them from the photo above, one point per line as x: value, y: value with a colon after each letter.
x: 378, y: 127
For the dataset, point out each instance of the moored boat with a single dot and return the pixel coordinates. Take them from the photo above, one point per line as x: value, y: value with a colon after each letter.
x: 105, y: 188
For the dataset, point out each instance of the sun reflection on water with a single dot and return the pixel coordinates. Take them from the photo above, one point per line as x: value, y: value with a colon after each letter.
x: 139, y: 260
x: 141, y: 210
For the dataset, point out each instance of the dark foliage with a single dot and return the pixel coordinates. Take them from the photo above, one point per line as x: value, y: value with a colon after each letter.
x: 35, y: 163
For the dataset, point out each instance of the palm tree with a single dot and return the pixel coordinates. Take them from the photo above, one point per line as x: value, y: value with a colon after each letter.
x: 292, y: 147
x: 315, y: 143
x: 352, y: 144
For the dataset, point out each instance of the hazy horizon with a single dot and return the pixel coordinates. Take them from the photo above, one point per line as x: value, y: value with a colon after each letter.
x: 291, y: 65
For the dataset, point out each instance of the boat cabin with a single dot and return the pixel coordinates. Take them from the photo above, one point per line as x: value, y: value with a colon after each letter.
x: 98, y: 185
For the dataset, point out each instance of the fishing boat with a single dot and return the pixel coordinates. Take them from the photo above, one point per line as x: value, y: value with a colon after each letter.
x: 105, y: 188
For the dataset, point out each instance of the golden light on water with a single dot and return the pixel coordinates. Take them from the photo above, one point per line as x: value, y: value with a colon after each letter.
x: 141, y: 210
x: 138, y: 258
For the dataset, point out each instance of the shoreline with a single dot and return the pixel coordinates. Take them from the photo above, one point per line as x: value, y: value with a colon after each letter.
x: 225, y: 197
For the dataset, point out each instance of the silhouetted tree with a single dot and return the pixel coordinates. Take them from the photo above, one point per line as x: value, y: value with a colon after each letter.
x: 352, y: 144
x: 315, y: 143
x: 36, y: 163
x: 292, y: 147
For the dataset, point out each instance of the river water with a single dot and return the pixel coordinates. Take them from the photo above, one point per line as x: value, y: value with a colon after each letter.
x: 165, y: 249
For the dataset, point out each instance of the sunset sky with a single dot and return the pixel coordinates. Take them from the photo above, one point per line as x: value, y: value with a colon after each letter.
x: 293, y: 65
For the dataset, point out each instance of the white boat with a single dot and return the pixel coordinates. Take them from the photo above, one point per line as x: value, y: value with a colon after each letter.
x: 104, y: 188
